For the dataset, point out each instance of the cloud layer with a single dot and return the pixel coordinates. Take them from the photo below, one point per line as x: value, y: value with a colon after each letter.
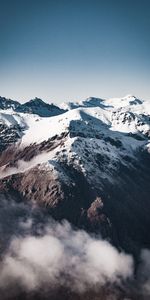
x: 61, y: 255
x: 38, y: 252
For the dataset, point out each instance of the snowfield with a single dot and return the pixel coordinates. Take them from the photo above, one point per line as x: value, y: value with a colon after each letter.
x: 111, y: 128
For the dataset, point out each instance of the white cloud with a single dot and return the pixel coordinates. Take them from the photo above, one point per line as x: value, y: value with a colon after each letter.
x: 62, y: 255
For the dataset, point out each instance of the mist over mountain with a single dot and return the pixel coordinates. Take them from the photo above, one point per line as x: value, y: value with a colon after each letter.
x: 74, y: 199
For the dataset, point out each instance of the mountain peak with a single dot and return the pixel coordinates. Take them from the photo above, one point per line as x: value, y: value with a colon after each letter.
x: 133, y: 99
x: 36, y: 100
x: 34, y: 106
x: 93, y: 101
x: 130, y: 96
x: 8, y: 103
x: 41, y: 108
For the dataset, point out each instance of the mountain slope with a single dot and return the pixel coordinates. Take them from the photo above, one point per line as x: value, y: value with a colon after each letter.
x: 90, y: 165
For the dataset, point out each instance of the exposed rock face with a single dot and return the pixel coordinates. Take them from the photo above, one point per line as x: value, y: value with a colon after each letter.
x: 90, y: 165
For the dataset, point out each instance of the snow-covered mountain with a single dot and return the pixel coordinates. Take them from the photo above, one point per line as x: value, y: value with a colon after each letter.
x: 34, y: 106
x: 8, y: 103
x: 86, y: 161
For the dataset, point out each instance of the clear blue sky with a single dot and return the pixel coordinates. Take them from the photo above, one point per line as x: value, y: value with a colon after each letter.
x: 63, y: 50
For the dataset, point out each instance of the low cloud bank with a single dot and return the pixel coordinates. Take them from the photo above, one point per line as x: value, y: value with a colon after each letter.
x: 37, y: 252
x: 59, y: 255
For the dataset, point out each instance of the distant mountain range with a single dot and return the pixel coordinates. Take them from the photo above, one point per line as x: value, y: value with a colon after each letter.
x: 34, y: 106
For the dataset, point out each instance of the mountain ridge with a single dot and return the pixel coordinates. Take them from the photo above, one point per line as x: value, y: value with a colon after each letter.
x: 89, y: 165
x: 81, y: 163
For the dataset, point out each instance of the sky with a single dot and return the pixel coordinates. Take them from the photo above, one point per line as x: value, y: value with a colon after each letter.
x: 67, y: 50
